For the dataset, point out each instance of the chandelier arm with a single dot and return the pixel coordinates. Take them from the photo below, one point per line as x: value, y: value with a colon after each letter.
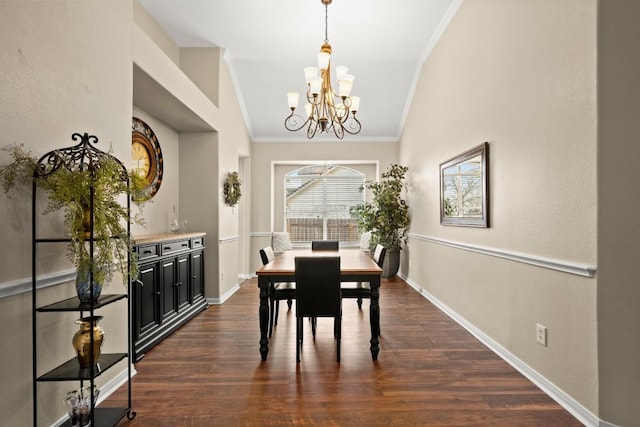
x: 311, y: 99
x: 338, y: 130
x: 313, y: 127
x: 355, y: 126
x: 291, y: 122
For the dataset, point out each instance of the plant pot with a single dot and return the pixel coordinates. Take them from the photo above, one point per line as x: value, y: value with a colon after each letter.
x: 84, y: 289
x: 82, y: 341
x: 391, y: 263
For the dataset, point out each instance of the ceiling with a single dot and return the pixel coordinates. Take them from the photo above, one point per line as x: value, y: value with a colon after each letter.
x: 268, y: 43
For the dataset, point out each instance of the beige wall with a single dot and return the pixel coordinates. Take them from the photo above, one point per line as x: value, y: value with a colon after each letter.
x: 234, y: 147
x: 203, y: 83
x: 522, y: 76
x: 618, y: 207
x: 158, y: 212
x: 61, y: 71
x: 144, y: 20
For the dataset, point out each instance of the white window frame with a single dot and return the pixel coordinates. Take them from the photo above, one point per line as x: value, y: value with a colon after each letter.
x: 279, y: 186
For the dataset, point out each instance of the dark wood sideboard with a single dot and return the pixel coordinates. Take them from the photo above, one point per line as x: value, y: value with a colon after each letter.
x: 169, y: 290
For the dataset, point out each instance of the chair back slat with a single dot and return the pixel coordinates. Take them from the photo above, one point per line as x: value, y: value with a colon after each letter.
x: 324, y: 245
x: 379, y: 254
x: 318, y: 286
x: 267, y: 255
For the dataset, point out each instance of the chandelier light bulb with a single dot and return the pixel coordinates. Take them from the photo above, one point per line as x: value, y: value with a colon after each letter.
x: 315, y: 85
x: 345, y: 84
x: 293, y: 97
x: 355, y: 104
x: 323, y: 60
x: 341, y: 70
x: 309, y: 73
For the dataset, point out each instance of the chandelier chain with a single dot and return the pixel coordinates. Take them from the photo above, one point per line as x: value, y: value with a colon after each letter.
x: 326, y: 23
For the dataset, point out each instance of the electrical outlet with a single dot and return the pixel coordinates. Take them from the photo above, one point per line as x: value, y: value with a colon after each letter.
x: 541, y: 334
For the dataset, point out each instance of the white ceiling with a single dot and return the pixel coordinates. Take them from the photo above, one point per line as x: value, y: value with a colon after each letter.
x: 268, y: 43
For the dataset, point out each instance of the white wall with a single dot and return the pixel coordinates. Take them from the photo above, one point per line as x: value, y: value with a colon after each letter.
x: 522, y: 76
x: 61, y: 71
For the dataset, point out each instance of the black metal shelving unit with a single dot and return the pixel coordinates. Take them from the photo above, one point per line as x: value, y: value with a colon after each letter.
x: 78, y: 157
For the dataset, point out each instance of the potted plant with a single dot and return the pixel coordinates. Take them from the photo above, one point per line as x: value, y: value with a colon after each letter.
x: 386, y: 216
x: 86, y: 183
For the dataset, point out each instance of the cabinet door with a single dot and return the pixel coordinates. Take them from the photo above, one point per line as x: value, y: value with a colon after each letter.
x: 197, y: 273
x: 168, y: 298
x: 182, y: 284
x: 145, y: 301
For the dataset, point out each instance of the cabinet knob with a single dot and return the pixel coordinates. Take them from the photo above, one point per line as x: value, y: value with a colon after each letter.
x: 157, y: 293
x: 194, y: 277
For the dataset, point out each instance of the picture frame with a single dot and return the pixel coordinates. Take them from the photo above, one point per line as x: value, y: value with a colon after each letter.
x: 464, y: 189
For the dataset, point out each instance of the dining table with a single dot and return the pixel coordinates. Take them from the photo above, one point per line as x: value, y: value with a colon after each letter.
x: 356, y: 265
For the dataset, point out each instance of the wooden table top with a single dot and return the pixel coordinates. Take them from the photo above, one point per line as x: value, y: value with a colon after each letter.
x: 352, y: 261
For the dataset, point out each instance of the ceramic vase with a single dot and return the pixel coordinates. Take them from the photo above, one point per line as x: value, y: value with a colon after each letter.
x: 82, y: 341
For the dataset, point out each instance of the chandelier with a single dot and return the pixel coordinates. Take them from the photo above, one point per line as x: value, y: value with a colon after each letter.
x: 326, y: 111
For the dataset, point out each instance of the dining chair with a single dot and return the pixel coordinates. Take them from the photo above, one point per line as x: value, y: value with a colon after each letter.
x: 277, y: 291
x: 318, y: 295
x: 360, y: 290
x: 324, y: 245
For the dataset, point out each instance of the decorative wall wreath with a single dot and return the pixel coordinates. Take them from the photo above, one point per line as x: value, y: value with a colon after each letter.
x: 231, y: 189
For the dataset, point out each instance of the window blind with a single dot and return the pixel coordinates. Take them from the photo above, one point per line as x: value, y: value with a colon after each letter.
x: 318, y: 200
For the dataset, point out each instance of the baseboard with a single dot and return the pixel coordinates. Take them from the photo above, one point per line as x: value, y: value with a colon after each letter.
x: 226, y: 296
x: 581, y: 413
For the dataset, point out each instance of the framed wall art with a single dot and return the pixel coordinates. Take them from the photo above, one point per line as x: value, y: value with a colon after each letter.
x: 464, y: 190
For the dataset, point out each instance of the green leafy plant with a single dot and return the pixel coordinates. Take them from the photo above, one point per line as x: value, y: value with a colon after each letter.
x: 69, y: 189
x: 387, y: 215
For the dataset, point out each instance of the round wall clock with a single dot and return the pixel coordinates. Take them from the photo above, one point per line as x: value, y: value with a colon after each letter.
x: 146, y: 156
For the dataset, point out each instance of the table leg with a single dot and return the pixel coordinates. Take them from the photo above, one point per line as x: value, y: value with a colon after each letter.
x: 374, y: 316
x: 263, y: 312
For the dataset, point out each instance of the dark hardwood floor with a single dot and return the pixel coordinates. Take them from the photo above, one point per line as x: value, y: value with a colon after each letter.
x: 430, y: 372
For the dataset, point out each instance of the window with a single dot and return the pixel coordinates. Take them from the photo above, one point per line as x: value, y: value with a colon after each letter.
x: 318, y: 200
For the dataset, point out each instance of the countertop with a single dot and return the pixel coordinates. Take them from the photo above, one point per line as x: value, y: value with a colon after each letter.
x: 164, y: 237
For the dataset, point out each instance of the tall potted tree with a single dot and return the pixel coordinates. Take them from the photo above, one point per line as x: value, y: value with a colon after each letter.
x: 386, y: 216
